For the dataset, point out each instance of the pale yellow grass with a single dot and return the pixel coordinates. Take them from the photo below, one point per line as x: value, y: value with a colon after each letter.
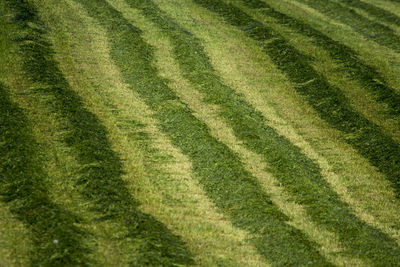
x: 250, y: 72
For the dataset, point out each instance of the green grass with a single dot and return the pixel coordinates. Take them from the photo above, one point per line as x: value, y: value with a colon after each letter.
x: 163, y: 184
x: 204, y: 132
x: 286, y: 161
x: 220, y: 172
x: 55, y: 237
x: 327, y: 100
x: 99, y: 178
x: 351, y: 65
x: 379, y: 13
x: 372, y: 30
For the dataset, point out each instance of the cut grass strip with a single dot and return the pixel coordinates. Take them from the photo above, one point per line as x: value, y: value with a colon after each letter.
x: 286, y: 162
x: 349, y: 60
x: 226, y: 182
x: 99, y: 179
x: 56, y: 240
x: 158, y: 174
x: 327, y: 100
x: 372, y: 30
x: 246, y: 68
x: 59, y: 165
x: 209, y: 113
x: 190, y: 55
x: 375, y: 11
x: 385, y: 60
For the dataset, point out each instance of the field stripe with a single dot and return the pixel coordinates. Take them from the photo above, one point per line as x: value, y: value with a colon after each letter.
x: 385, y: 60
x: 375, y: 11
x: 244, y: 67
x: 99, y: 179
x: 55, y: 237
x: 158, y: 174
x: 278, y: 152
x: 327, y: 100
x: 286, y: 161
x: 233, y: 190
x: 349, y: 60
x: 209, y: 113
x: 375, y: 31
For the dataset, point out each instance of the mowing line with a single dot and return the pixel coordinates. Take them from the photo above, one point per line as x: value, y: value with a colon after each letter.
x: 227, y: 183
x: 361, y: 98
x: 375, y: 11
x: 329, y: 244
x: 327, y: 100
x: 55, y: 238
x: 287, y: 162
x: 99, y: 178
x: 372, y: 30
x: 350, y: 63
x: 160, y: 176
x: 385, y: 60
x: 244, y: 67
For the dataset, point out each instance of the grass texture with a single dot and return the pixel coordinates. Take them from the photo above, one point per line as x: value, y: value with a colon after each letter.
x: 287, y: 163
x: 234, y: 191
x: 160, y: 150
x: 328, y: 101
x: 99, y: 179
x: 56, y: 238
x: 379, y: 13
x: 349, y: 60
x: 372, y: 30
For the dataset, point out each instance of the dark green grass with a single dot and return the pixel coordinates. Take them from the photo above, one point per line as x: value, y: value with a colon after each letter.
x: 379, y: 13
x: 99, y: 178
x: 327, y: 100
x: 299, y: 174
x: 234, y: 191
x: 372, y: 30
x: 57, y: 240
x: 349, y: 61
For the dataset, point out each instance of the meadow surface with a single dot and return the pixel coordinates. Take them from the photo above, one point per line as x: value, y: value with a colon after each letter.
x: 200, y: 133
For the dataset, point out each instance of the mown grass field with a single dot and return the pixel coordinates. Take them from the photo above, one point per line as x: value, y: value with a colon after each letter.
x: 200, y: 133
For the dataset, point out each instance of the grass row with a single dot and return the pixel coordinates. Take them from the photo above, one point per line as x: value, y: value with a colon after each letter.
x: 327, y: 100
x: 372, y: 30
x: 350, y: 63
x: 165, y: 185
x: 377, y: 12
x: 328, y: 243
x: 56, y: 239
x: 99, y: 179
x: 234, y: 191
x: 286, y: 161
